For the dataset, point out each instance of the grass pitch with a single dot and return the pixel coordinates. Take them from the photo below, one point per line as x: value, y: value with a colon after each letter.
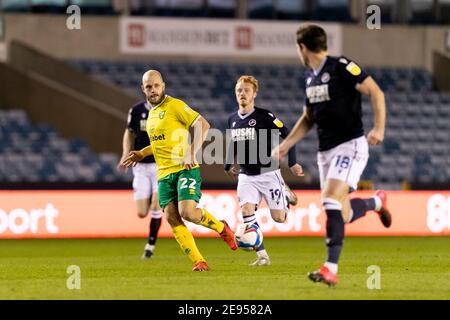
x: 411, y: 268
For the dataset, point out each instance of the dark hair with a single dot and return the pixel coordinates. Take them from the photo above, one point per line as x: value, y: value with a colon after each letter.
x: 313, y: 37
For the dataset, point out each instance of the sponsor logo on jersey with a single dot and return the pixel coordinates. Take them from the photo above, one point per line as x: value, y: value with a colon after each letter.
x: 252, y: 123
x: 243, y: 134
x: 318, y: 94
x: 354, y: 69
x: 157, y: 137
x: 161, y: 114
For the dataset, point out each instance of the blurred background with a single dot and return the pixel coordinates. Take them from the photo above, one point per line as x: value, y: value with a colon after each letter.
x: 65, y: 92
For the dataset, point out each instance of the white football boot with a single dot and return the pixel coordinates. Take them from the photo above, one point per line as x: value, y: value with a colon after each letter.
x: 261, y: 261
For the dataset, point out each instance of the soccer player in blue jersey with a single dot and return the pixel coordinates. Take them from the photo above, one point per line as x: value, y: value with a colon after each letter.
x: 333, y: 103
x: 253, y: 131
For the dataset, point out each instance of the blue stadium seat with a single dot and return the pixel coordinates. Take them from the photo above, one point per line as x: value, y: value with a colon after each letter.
x: 412, y: 107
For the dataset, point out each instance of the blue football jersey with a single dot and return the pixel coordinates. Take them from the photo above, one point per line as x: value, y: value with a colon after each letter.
x: 137, y: 121
x: 334, y: 101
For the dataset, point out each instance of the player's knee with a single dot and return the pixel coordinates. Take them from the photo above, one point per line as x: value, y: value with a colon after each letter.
x: 248, y: 209
x: 189, y: 215
x: 329, y: 194
x: 279, y: 217
x: 142, y: 214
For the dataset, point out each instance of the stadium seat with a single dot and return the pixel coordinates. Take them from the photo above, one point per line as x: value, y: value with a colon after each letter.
x: 411, y: 105
x: 48, y: 6
x: 36, y: 153
x: 332, y: 10
x: 100, y: 7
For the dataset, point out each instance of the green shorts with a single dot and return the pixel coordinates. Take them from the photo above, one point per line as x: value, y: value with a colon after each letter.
x: 178, y: 186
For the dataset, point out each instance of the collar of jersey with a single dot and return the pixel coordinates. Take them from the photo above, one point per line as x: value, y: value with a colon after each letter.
x: 246, y: 115
x: 158, y: 105
x: 316, y: 72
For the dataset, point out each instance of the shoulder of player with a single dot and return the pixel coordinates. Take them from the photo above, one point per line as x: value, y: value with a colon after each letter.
x: 344, y: 62
x: 137, y: 109
x: 232, y: 116
x: 137, y: 106
x: 173, y: 101
x: 178, y: 104
x: 265, y: 113
x: 348, y: 66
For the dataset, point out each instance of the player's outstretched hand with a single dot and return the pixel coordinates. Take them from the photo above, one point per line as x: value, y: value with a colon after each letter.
x: 233, y: 172
x: 297, y: 170
x: 189, y: 162
x: 121, y: 167
x: 375, y: 137
x: 132, y: 158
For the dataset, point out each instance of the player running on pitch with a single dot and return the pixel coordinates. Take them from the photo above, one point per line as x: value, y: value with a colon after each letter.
x: 252, y: 133
x: 333, y: 90
x: 168, y: 126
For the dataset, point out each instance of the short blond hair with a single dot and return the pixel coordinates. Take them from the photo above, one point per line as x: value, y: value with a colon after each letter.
x: 249, y: 79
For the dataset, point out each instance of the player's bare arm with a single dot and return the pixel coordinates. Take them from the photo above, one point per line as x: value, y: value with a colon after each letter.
x: 303, y: 125
x: 371, y: 89
x: 127, y: 145
x: 199, y: 131
x: 136, y: 156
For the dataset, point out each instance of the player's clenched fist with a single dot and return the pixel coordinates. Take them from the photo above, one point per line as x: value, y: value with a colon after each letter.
x: 297, y: 170
x: 375, y: 137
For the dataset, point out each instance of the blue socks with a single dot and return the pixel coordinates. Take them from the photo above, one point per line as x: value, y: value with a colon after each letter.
x: 360, y: 207
x: 335, y: 229
x: 155, y: 224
